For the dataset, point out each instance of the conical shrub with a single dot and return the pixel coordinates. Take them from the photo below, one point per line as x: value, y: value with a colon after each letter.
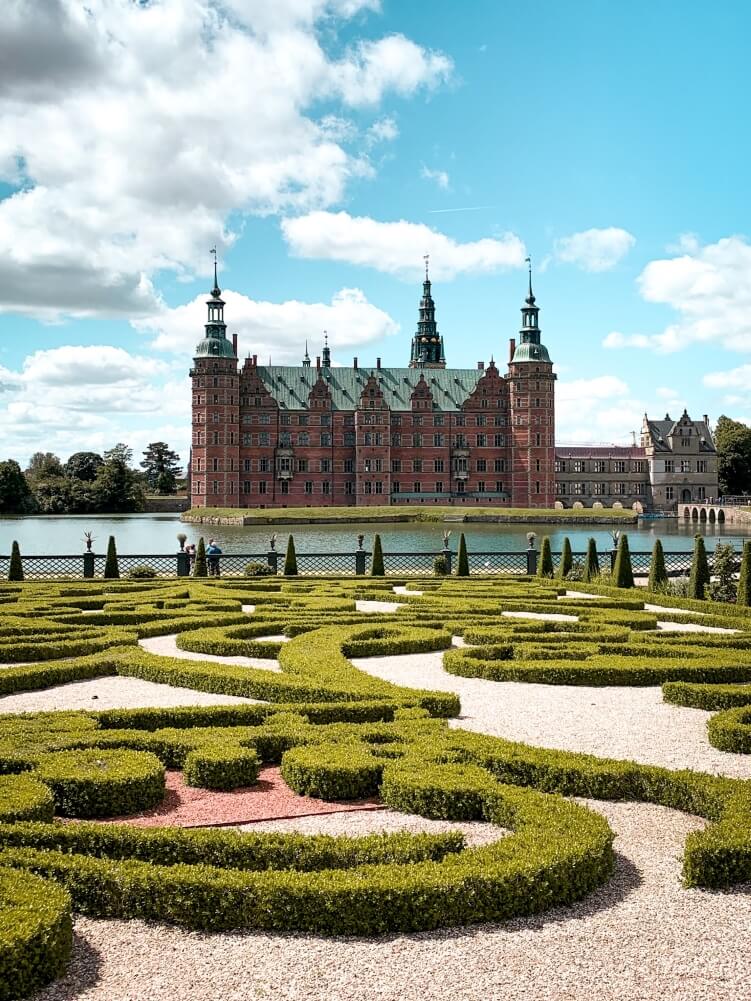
x: 462, y: 560
x: 658, y: 576
x: 699, y: 577
x: 591, y: 562
x: 744, y: 580
x: 15, y: 570
x: 199, y: 567
x: 111, y: 567
x: 567, y: 559
x: 376, y: 563
x: 623, y: 574
x: 290, y: 558
x: 545, y: 566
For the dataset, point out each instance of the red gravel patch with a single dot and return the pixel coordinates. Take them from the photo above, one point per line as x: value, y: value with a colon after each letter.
x: 270, y: 799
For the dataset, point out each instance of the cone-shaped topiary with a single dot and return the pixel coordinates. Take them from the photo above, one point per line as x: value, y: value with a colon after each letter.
x: 111, y: 567
x: 199, y: 567
x: 567, y: 559
x: 290, y: 558
x: 462, y: 560
x: 623, y: 575
x: 591, y: 562
x: 545, y: 566
x: 657, y: 574
x: 376, y: 565
x: 15, y: 570
x: 744, y: 580
x: 699, y: 578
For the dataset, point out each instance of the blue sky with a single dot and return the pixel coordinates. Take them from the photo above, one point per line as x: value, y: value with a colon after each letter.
x: 325, y: 146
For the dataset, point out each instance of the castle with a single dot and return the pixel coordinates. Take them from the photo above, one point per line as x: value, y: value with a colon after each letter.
x: 313, y: 435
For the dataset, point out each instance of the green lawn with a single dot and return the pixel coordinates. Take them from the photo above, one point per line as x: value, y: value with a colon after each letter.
x: 289, y: 515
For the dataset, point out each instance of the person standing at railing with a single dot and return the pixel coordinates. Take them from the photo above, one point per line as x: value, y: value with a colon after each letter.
x: 213, y: 552
x: 190, y: 549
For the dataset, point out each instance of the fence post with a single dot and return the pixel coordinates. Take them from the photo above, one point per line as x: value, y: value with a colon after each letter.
x: 532, y: 562
x: 88, y: 565
x: 360, y: 562
x: 446, y: 553
x: 613, y: 554
x: 183, y: 564
x: 272, y: 558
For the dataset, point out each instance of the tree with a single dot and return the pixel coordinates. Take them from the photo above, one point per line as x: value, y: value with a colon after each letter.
x: 119, y: 453
x: 15, y: 494
x: 162, y: 467
x: 83, y: 466
x: 290, y: 558
x: 723, y: 588
x: 567, y: 559
x: 623, y: 574
x: 199, y: 567
x: 733, y: 443
x: 42, y: 465
x: 111, y: 566
x: 116, y: 487
x: 658, y: 576
x: 591, y: 562
x: 376, y: 565
x: 15, y: 570
x: 744, y: 580
x: 699, y: 577
x: 462, y: 560
x: 545, y: 568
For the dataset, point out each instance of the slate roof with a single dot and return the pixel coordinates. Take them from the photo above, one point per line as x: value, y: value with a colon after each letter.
x: 662, y: 429
x: 290, y: 385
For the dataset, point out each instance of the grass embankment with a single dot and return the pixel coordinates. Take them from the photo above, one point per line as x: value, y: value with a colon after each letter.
x: 397, y: 513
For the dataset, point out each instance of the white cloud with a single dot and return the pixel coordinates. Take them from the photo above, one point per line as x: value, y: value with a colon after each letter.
x: 276, y: 329
x: 735, y: 378
x: 134, y: 131
x: 595, y: 249
x: 397, y: 247
x: 710, y: 289
x: 440, y: 177
x: 382, y: 130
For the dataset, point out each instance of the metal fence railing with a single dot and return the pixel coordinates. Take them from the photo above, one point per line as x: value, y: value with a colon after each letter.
x: 357, y: 562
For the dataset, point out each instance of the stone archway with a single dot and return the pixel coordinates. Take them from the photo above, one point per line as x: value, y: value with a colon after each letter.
x: 686, y: 495
x: 712, y: 516
x: 720, y: 517
x: 703, y: 514
x: 694, y: 515
x: 686, y: 513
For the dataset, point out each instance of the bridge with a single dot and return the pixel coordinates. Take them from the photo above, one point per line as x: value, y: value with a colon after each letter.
x: 712, y: 512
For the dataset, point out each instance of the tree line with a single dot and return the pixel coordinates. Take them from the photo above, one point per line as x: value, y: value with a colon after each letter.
x: 733, y: 442
x: 88, y: 482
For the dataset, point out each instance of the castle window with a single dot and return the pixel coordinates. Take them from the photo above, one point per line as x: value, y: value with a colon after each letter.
x: 438, y: 420
x: 285, y: 486
x: 396, y: 440
x: 198, y: 488
x: 416, y: 487
x: 286, y: 419
x: 349, y: 465
x: 379, y: 486
x: 215, y: 465
x: 264, y: 465
x: 265, y: 419
x: 247, y: 465
x: 303, y: 438
x: 417, y: 440
x: 368, y: 487
x: 325, y: 465
x: 537, y: 486
x: 215, y: 485
x: 481, y: 420
x: 460, y: 420
x: 438, y: 441
x: 538, y: 439
x: 246, y: 487
x: 215, y: 417
x: 417, y: 465
x: 302, y: 465
x: 537, y: 465
x: 349, y: 488
x: 499, y: 466
x: 600, y: 466
x: 669, y: 493
x: 264, y: 438
x: 263, y: 487
x: 395, y: 487
x: 481, y: 465
x: 302, y: 420
x: 560, y: 466
x: 499, y: 486
x: 247, y: 439
x: 215, y: 438
x: 481, y: 486
x: 482, y: 440
x: 439, y: 487
x: 438, y: 465
x: 308, y: 487
x: 499, y: 440
x: 578, y: 466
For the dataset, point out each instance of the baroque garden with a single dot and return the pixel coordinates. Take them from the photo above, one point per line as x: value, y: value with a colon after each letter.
x: 314, y: 679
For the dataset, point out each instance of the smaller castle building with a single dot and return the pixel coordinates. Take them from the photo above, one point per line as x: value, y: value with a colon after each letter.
x: 675, y: 463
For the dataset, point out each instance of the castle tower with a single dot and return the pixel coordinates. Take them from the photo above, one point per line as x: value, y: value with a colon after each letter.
x: 532, y: 406
x: 215, y: 408
x: 427, y: 344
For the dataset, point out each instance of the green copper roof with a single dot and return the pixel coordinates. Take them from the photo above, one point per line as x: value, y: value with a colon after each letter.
x: 214, y: 347
x: 531, y: 352
x: 290, y: 385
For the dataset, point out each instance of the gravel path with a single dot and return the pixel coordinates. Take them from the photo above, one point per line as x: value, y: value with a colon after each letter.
x: 616, y: 722
x: 378, y: 606
x: 642, y: 937
x: 166, y: 646
x: 112, y: 693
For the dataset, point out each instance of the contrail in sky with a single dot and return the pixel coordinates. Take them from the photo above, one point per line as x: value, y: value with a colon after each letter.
x: 466, y: 208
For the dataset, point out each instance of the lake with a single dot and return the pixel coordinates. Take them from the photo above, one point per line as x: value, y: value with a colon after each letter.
x: 153, y: 534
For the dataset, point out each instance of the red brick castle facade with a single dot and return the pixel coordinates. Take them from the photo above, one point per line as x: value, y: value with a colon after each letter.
x: 317, y: 435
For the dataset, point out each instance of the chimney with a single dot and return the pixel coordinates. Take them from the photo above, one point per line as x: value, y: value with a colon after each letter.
x: 511, y: 348
x: 318, y: 361
x: 234, y: 344
x: 706, y: 419
x: 255, y: 361
x: 481, y: 366
x: 354, y: 363
x: 378, y: 362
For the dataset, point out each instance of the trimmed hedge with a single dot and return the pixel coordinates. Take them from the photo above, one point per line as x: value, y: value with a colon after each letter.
x: 221, y: 768
x: 36, y: 933
x: 100, y: 783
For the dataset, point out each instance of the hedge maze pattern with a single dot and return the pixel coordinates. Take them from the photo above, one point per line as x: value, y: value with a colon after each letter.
x: 338, y: 734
